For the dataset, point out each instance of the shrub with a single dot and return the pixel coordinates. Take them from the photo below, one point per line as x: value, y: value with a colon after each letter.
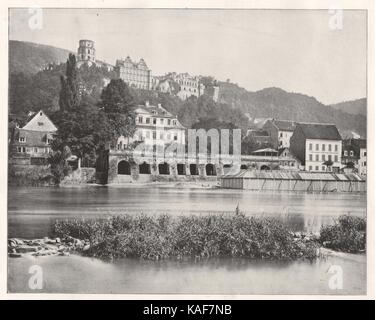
x: 164, y: 236
x: 347, y: 234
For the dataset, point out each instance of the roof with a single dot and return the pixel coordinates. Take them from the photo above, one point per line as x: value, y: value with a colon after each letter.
x: 321, y: 131
x: 284, y: 125
x: 265, y: 150
x: 40, y: 122
x: 153, y: 110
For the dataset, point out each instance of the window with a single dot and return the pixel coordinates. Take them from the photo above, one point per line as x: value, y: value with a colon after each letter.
x: 161, y: 121
x: 345, y: 153
x: 323, y: 147
x: 310, y: 157
x: 310, y: 146
x: 154, y: 134
x: 161, y: 135
x: 336, y: 158
x: 316, y: 157
x: 40, y: 123
x: 316, y: 168
x: 147, y: 120
x: 323, y: 157
x: 174, y: 122
x: 323, y: 168
x: 364, y: 153
x: 154, y: 120
x: 365, y: 163
x: 22, y: 139
x: 36, y: 150
x: 281, y: 134
x: 317, y: 147
x: 310, y: 168
x: 169, y: 122
x: 329, y: 147
x: 351, y: 153
x: 140, y: 119
x: 168, y: 136
x: 336, y: 147
x: 175, y: 137
x: 329, y: 157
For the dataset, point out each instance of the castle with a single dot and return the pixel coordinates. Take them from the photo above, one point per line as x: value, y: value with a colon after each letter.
x: 138, y: 74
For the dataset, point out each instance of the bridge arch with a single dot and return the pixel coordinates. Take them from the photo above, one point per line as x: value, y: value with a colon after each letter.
x: 123, y: 167
x: 210, y: 169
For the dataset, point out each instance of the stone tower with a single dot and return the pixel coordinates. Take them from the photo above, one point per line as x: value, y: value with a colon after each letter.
x: 86, y: 52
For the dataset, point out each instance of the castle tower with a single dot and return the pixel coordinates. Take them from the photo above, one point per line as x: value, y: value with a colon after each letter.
x: 86, y: 52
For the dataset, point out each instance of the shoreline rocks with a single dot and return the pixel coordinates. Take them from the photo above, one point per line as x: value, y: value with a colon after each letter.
x: 46, y: 247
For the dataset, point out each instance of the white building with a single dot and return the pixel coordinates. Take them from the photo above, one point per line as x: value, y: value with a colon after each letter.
x: 155, y: 126
x: 317, y: 146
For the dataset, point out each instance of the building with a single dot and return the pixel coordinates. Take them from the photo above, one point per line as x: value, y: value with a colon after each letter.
x: 354, y: 155
x: 86, y: 52
x: 280, y: 132
x: 260, y: 137
x: 154, y: 126
x: 317, y: 146
x: 135, y: 74
x: 188, y: 85
x: 32, y: 143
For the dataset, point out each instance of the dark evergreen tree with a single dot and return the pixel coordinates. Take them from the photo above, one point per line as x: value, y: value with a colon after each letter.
x: 69, y: 98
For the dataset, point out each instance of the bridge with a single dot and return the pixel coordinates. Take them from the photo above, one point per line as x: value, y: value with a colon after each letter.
x: 124, y: 166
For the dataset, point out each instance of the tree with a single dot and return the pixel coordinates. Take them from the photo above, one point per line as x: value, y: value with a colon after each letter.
x: 69, y: 98
x: 118, y: 105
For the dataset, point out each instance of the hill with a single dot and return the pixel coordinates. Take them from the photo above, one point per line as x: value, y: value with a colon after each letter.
x: 277, y: 103
x: 30, y: 58
x: 358, y: 106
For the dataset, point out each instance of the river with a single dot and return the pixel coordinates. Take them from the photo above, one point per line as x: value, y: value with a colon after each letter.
x: 31, y: 212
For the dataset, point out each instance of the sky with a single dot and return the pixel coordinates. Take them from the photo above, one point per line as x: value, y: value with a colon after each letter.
x: 296, y: 50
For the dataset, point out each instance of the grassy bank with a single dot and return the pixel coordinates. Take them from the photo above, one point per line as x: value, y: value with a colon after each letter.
x: 164, y: 236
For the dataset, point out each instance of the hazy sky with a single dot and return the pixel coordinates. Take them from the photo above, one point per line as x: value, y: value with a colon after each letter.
x: 292, y: 49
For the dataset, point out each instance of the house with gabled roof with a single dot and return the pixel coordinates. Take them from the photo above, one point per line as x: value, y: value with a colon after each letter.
x: 280, y: 132
x: 318, y: 146
x: 32, y: 143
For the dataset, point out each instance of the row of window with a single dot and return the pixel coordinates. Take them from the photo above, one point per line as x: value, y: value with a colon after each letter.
x: 23, y: 140
x: 188, y: 83
x: 351, y: 153
x: 162, y: 135
x: 33, y: 150
x: 323, y: 147
x: 323, y: 157
x: 169, y: 122
x: 188, y: 89
x: 317, y: 168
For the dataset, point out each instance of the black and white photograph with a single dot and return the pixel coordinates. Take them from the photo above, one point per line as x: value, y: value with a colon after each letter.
x: 187, y: 151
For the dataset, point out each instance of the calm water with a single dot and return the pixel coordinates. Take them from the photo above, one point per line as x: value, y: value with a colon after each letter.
x: 31, y: 211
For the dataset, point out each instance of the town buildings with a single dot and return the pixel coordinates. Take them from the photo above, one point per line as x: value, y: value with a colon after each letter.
x: 318, y: 146
x: 187, y: 85
x: 280, y: 132
x: 354, y: 155
x: 154, y: 126
x: 135, y: 74
x: 32, y: 143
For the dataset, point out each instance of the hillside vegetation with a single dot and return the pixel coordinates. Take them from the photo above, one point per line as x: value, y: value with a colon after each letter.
x: 32, y: 89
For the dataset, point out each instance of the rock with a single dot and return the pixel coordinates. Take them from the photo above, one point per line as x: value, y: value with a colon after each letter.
x: 86, y: 247
x: 58, y: 240
x: 26, y: 249
x: 78, y: 243
x: 12, y: 243
x: 64, y: 253
x: 15, y: 255
x: 61, y: 248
